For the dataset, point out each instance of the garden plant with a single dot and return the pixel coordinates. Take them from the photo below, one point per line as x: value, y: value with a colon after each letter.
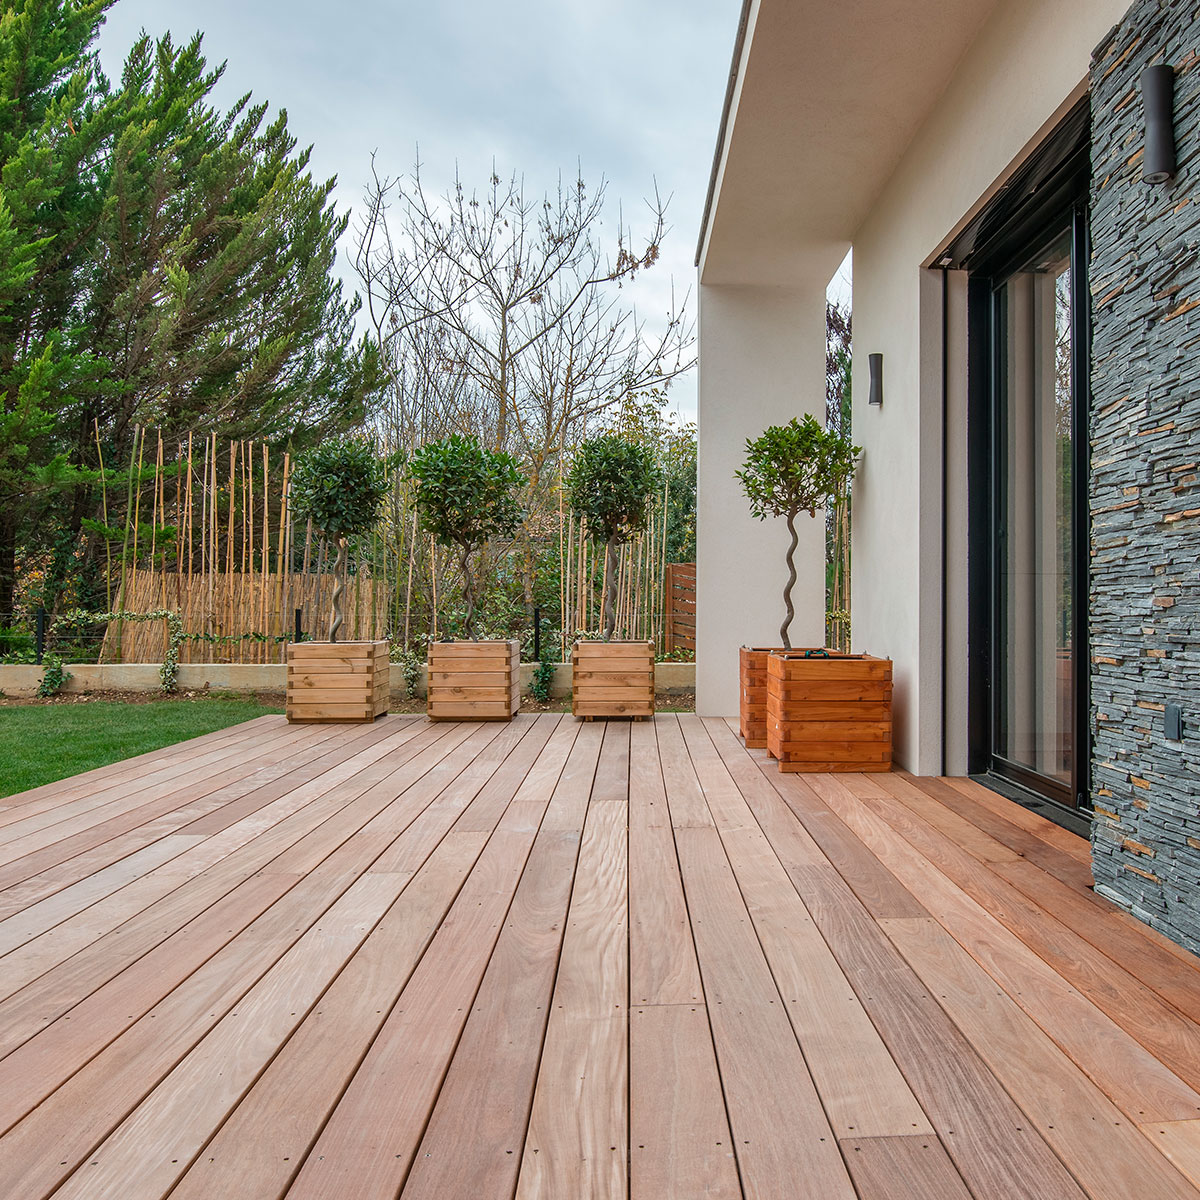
x: 609, y: 487
x: 466, y: 494
x: 791, y: 469
x: 340, y: 486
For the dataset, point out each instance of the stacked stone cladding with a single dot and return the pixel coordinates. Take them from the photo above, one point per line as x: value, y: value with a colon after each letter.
x: 1145, y: 479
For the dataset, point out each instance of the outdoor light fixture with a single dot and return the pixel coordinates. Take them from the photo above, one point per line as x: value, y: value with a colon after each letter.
x: 875, y: 362
x: 1158, y: 106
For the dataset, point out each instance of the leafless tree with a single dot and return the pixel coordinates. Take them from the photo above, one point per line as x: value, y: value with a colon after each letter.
x: 504, y: 315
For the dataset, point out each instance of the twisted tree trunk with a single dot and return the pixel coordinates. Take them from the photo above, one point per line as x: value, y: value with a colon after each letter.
x: 468, y: 594
x: 787, y: 589
x: 339, y: 587
x: 610, y: 592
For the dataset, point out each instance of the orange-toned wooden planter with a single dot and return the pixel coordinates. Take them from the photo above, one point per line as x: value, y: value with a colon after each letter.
x: 337, y: 681
x: 474, y: 681
x: 829, y: 714
x: 753, y: 688
x: 612, y: 679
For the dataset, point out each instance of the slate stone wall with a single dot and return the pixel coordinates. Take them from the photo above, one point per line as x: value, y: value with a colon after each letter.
x: 1145, y: 479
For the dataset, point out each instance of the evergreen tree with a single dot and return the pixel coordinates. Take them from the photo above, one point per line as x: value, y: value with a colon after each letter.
x: 161, y: 263
x: 53, y: 123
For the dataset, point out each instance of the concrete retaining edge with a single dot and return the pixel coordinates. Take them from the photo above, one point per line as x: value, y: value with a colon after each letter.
x: 23, y: 680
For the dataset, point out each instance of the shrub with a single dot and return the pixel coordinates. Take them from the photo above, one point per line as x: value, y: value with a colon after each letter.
x: 340, y: 486
x: 466, y: 494
x: 609, y: 487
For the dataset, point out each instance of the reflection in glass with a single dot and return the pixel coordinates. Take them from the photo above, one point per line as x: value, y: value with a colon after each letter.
x: 1036, y: 581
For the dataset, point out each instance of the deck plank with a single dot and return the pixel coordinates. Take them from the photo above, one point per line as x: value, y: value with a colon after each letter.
x: 662, y: 955
x: 779, y: 1127
x: 1162, y: 1030
x: 578, y: 1138
x: 679, y: 1138
x: 602, y: 959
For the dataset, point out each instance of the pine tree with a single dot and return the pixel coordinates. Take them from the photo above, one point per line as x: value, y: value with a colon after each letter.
x: 53, y: 122
x: 161, y: 263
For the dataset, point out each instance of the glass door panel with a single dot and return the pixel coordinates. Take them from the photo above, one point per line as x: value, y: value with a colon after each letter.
x: 1034, y: 682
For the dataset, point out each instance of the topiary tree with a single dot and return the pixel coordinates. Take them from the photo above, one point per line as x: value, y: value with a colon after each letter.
x: 466, y: 494
x: 790, y: 469
x: 340, y: 486
x: 609, y: 486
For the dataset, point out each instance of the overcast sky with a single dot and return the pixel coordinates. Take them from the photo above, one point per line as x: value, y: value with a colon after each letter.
x: 628, y: 89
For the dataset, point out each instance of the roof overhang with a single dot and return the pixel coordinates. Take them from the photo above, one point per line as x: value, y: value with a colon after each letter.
x: 823, y: 99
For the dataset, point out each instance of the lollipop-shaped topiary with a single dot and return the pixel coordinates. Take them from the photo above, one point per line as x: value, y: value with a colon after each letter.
x: 609, y: 486
x: 339, y: 485
x: 466, y: 494
x: 790, y: 469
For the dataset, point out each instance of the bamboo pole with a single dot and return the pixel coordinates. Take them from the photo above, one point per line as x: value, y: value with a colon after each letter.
x: 104, y: 515
x: 412, y: 559
x: 282, y: 560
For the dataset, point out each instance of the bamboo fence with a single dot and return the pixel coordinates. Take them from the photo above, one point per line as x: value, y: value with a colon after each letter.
x: 207, y: 531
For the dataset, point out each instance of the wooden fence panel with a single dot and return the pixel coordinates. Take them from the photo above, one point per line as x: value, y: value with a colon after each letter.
x: 681, y: 607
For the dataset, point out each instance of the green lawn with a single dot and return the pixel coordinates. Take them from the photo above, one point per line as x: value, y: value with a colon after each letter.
x: 42, y: 743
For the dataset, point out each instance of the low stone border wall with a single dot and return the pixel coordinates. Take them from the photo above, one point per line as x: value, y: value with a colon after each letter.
x: 246, y: 677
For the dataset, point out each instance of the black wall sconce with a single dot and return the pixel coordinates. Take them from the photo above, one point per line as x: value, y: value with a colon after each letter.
x: 875, y: 363
x: 1158, y: 107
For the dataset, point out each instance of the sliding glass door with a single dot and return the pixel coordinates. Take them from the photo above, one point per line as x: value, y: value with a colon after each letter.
x: 1036, y: 638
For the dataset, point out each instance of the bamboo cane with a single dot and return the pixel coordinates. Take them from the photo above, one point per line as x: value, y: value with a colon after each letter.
x: 104, y: 514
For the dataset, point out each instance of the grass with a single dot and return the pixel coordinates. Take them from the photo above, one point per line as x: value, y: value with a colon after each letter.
x: 42, y: 743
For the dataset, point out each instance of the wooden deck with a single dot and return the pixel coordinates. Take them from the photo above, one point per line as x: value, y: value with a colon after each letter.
x: 563, y: 960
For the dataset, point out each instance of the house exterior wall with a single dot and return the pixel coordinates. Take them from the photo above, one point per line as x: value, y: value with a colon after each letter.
x: 1145, y: 480
x: 1027, y: 66
x: 762, y: 356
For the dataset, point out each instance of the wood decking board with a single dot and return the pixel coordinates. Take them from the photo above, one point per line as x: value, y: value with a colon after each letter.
x: 902, y: 1168
x: 1074, y: 1116
x: 1028, y: 843
x: 558, y: 959
x: 578, y: 1138
x: 254, y: 789
x: 53, y: 994
x: 1160, y: 1027
x: 662, y: 955
x: 1132, y: 1077
x: 105, y: 841
x: 679, y: 1138
x: 221, y: 1069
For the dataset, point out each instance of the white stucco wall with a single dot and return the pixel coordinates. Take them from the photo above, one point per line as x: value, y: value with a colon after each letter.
x: 1020, y: 75
x: 762, y: 362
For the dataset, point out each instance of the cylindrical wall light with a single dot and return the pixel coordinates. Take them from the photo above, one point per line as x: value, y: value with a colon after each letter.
x: 1158, y: 106
x: 875, y: 363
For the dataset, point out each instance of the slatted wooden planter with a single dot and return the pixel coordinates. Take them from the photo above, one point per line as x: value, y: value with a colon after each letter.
x: 337, y: 681
x: 474, y: 681
x: 753, y: 689
x: 829, y: 714
x: 612, y: 679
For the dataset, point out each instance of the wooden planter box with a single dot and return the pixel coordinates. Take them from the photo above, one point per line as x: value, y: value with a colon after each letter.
x: 829, y: 714
x: 753, y: 689
x: 612, y: 679
x: 474, y: 681
x: 337, y: 681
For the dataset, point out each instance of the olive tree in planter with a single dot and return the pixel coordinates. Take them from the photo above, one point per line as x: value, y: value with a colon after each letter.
x: 609, y: 488
x: 816, y: 708
x: 466, y: 494
x: 340, y: 486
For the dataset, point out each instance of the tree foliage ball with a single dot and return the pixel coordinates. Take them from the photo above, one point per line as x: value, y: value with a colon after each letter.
x: 340, y: 485
x: 609, y: 485
x: 464, y: 492
x: 796, y: 467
